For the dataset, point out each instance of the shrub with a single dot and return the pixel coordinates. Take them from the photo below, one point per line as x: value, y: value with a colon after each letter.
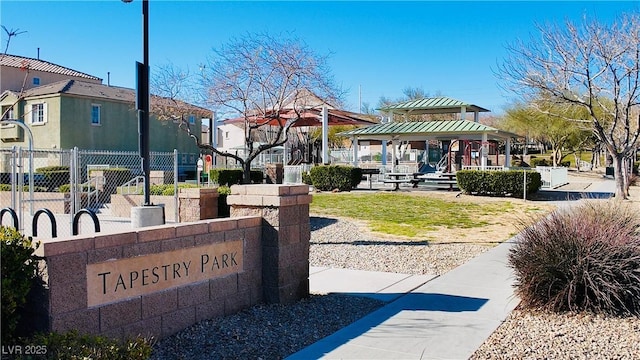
x: 71, y: 345
x: 223, y: 207
x: 230, y: 177
x: 540, y: 162
x: 55, y: 175
x: 306, y: 178
x: 25, y: 188
x: 581, y: 259
x: 19, y: 274
x: 329, y: 177
x: 547, y: 162
x: 356, y: 177
x: 65, y: 188
x: 498, y: 183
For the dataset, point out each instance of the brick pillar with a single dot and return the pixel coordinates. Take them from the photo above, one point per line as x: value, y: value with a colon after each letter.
x: 285, y: 236
x: 197, y: 204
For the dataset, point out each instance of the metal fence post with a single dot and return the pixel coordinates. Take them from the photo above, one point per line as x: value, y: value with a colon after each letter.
x: 14, y: 177
x: 176, y: 200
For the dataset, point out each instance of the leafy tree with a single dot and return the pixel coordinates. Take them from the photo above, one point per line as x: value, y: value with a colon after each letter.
x: 546, y: 122
x: 592, y: 66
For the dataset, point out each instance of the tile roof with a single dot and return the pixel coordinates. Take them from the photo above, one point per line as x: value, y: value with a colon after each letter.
x: 41, y: 65
x: 81, y: 88
x: 101, y: 91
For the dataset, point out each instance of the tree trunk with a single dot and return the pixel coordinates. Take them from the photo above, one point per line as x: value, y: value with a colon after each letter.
x: 246, y: 172
x: 619, y: 175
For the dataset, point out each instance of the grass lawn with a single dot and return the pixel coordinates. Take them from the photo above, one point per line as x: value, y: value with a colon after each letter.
x: 416, y: 215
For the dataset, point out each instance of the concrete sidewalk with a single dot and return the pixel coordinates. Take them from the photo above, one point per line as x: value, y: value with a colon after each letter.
x: 445, y: 317
x: 427, y: 317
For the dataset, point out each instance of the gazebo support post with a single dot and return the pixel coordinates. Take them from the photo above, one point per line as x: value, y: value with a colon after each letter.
x: 485, y: 152
x: 507, y: 153
x: 325, y: 135
x: 355, y: 145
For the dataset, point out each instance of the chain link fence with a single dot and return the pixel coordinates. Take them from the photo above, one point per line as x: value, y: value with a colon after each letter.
x: 65, y: 181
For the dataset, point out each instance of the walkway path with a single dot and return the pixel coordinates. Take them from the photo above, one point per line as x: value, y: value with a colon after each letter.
x: 427, y: 317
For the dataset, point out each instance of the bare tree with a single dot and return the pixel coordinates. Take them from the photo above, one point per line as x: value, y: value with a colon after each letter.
x: 266, y: 82
x: 592, y: 66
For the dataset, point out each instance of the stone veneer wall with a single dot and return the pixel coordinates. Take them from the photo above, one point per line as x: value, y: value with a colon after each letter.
x: 197, y: 204
x: 285, y: 236
x: 275, y: 267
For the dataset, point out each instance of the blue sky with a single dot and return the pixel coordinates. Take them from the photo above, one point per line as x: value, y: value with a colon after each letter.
x: 451, y: 48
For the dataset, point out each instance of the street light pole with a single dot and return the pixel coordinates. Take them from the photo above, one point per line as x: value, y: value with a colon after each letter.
x: 145, y: 99
x: 142, y: 101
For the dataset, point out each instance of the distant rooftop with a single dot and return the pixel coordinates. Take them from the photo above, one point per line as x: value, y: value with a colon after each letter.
x: 41, y: 65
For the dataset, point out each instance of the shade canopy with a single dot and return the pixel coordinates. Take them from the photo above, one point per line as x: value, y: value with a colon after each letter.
x: 436, y: 105
x: 307, y: 117
x: 421, y: 130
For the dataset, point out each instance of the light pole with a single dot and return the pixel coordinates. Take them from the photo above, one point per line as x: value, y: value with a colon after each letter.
x: 142, y: 100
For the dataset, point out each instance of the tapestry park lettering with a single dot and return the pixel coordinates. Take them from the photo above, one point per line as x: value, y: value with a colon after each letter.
x: 120, y: 279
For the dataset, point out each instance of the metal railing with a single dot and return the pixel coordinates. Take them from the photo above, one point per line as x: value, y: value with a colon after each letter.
x: 552, y: 177
x: 486, y: 168
x: 125, y: 188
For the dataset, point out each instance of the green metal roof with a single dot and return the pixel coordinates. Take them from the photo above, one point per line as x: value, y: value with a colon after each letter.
x: 437, y: 104
x: 431, y: 128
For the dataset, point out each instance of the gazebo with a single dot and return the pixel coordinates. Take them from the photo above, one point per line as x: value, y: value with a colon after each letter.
x: 461, y: 139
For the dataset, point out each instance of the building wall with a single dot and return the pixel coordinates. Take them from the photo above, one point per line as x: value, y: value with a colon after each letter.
x: 47, y: 135
x: 68, y: 124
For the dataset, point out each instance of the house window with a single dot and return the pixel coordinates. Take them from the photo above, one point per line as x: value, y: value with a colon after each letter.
x: 7, y: 111
x: 36, y: 81
x: 192, y: 119
x: 95, y: 114
x: 226, y: 135
x: 38, y: 113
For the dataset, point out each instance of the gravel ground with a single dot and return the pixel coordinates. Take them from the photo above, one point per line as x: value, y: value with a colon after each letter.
x: 539, y: 335
x: 276, y: 331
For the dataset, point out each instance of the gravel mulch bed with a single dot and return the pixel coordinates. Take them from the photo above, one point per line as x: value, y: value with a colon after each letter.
x: 276, y: 331
x: 266, y: 331
x: 542, y: 335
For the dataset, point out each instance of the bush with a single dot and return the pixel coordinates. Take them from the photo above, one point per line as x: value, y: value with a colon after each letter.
x: 19, y: 274
x: 223, y: 207
x: 540, y: 162
x: 581, y: 259
x: 498, y: 183
x: 25, y: 188
x: 329, y: 177
x: 65, y: 188
x: 547, y: 162
x: 306, y: 178
x: 228, y: 177
x: 55, y: 175
x: 71, y: 345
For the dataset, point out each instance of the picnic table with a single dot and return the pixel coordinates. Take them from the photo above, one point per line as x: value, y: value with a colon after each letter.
x: 369, y: 173
x: 398, y: 178
x: 447, y: 178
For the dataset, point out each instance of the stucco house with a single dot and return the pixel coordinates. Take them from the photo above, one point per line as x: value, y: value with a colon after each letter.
x: 38, y: 72
x: 80, y: 111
